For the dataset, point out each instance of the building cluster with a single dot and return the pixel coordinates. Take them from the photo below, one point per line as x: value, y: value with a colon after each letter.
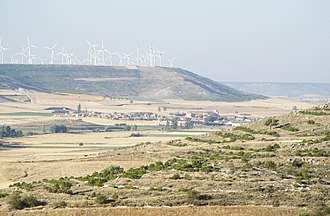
x: 181, y: 119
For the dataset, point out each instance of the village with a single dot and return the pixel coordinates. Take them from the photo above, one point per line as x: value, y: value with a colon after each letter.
x: 185, y: 120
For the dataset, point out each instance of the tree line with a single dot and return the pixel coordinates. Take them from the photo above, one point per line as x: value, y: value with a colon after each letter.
x: 7, y: 131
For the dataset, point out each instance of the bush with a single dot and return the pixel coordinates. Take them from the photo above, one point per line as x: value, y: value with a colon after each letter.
x: 272, y: 148
x: 135, y: 173
x: 307, y: 112
x: 290, y: 128
x: 101, y: 199
x: 114, y: 196
x: 58, y: 129
x: 176, y: 176
x: 23, y: 185
x: 192, y: 194
x: 7, y: 131
x: 61, y: 204
x: 136, y: 135
x: 271, y: 122
x: 159, y: 189
x: 2, y: 195
x: 177, y: 143
x: 270, y: 165
x: 182, y: 189
x: 17, y: 202
x: 315, y: 152
x: 59, y: 186
x: 311, y: 122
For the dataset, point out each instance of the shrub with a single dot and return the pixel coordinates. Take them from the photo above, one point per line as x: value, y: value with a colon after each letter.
x: 270, y: 165
x: 305, y: 214
x: 322, y: 210
x: 59, y: 186
x: 135, y: 173
x: 2, y: 195
x: 233, y: 147
x: 61, y: 204
x: 271, y: 148
x: 192, y: 194
x: 307, y: 112
x: 176, y: 176
x: 290, y: 128
x: 177, y: 143
x: 114, y: 196
x: 7, y: 131
x: 101, y: 199
x: 159, y: 189
x: 315, y: 152
x: 58, y: 129
x: 311, y: 122
x: 271, y: 122
x: 182, y: 189
x: 23, y: 185
x: 136, y: 135
x: 16, y: 201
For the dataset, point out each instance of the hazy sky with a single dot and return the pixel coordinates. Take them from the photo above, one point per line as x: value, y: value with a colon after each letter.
x: 226, y: 40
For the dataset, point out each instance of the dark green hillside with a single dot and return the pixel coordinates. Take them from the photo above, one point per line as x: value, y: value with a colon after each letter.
x: 137, y: 83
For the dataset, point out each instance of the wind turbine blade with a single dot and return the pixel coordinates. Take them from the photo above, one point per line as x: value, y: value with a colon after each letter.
x: 54, y: 46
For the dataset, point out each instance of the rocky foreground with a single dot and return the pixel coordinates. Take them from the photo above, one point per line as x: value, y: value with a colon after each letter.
x: 278, y: 163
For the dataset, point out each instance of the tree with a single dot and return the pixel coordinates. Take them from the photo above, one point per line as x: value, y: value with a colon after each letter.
x: 188, y: 124
x: 79, y: 108
x: 134, y: 128
x: 58, y: 129
x: 174, y: 123
x: 6, y: 131
x: 211, y: 118
x: 167, y: 126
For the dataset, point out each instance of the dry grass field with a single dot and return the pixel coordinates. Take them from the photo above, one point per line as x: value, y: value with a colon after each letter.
x: 166, y: 211
x: 231, y: 171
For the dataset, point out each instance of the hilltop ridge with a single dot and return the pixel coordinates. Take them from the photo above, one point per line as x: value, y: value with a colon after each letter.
x: 146, y: 83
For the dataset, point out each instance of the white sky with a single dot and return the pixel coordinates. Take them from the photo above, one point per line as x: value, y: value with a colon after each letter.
x: 226, y: 40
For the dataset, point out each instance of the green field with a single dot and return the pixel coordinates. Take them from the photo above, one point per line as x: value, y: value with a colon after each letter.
x: 26, y: 114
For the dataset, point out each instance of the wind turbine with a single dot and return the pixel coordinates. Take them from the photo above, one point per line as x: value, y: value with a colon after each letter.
x: 127, y: 56
x: 171, y: 61
x: 143, y: 60
x: 92, y: 54
x: 83, y: 61
x: 42, y: 60
x: 110, y: 55
x: 22, y: 53
x: 120, y: 59
x: 137, y: 55
x: 28, y: 48
x: 103, y: 51
x: 2, y: 50
x: 52, y: 53
x: 70, y: 58
x: 63, y: 54
x: 90, y: 50
x: 13, y: 60
x: 159, y: 55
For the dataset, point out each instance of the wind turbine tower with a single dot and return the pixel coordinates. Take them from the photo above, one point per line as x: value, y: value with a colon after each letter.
x: 28, y: 49
x: 2, y: 50
x: 52, y: 53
